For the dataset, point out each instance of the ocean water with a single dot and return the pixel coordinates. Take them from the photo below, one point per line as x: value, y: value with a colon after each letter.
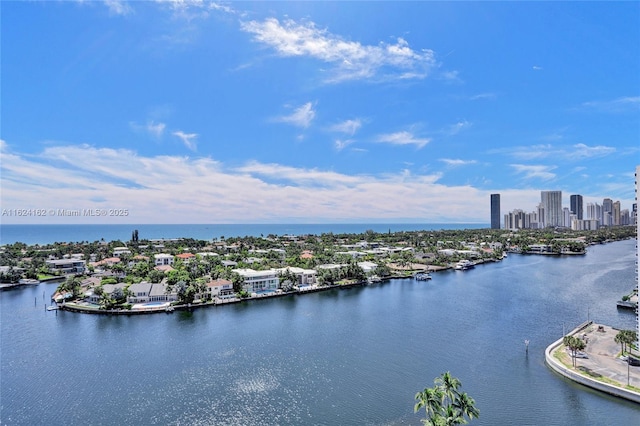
x: 47, y: 234
x: 340, y: 357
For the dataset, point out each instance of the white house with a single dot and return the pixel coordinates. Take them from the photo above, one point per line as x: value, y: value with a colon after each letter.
x: 66, y: 266
x: 220, y: 288
x: 303, y: 276
x: 255, y: 281
x: 120, y: 251
x: 163, y: 259
x: 368, y: 267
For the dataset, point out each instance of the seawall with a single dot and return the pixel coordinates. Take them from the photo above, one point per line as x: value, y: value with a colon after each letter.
x: 557, y: 366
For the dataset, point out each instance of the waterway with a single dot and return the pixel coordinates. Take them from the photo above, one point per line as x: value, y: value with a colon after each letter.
x: 341, y: 357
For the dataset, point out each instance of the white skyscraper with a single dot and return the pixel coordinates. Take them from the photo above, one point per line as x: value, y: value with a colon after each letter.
x: 552, y: 201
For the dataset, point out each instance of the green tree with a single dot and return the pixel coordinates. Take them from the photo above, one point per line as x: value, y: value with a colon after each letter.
x: 575, y: 344
x: 444, y: 404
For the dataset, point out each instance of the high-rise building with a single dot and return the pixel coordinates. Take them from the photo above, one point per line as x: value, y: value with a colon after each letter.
x: 552, y: 201
x: 495, y: 211
x: 616, y: 213
x: 576, y: 205
x: 607, y: 212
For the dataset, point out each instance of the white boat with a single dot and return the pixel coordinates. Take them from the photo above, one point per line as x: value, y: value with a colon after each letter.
x: 422, y: 276
x: 463, y: 265
x: 373, y: 279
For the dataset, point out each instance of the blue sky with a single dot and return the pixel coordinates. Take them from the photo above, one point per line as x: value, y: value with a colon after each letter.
x: 276, y: 112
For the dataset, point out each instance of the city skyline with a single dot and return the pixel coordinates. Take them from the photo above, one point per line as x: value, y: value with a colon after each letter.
x: 277, y: 112
x: 551, y: 211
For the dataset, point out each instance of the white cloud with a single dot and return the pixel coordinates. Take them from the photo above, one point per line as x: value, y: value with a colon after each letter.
x: 152, y: 128
x: 583, y: 151
x: 342, y: 144
x: 537, y: 68
x: 622, y: 104
x: 534, y: 171
x: 301, y: 116
x: 349, y: 127
x: 351, y: 60
x: 575, y: 152
x: 454, y: 129
x: 457, y: 162
x: 156, y: 129
x: 403, y: 138
x: 172, y: 189
x: 118, y: 7
x: 189, y: 139
x: 479, y: 96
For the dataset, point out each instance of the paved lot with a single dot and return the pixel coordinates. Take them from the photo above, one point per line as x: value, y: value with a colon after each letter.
x: 602, y: 351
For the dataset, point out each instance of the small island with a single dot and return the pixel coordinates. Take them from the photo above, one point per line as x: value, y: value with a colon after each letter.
x: 160, y: 275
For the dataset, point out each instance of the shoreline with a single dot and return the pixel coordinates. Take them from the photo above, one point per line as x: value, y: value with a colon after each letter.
x: 576, y: 376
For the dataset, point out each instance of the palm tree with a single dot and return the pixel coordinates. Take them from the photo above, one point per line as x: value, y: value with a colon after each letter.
x: 574, y: 344
x: 467, y: 406
x: 444, y: 404
x: 430, y: 399
x: 449, y: 385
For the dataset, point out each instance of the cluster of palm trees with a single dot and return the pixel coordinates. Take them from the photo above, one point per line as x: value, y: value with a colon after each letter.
x: 575, y: 345
x: 626, y: 338
x: 445, y: 404
x: 351, y: 271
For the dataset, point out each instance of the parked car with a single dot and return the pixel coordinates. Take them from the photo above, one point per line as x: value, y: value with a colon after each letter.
x: 633, y: 361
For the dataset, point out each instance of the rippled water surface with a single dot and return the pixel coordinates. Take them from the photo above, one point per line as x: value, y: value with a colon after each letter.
x: 341, y: 357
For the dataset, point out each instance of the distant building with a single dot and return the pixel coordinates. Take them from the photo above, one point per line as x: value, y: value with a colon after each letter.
x: 607, y: 212
x: 495, y: 211
x: 552, y: 202
x: 616, y: 213
x: 576, y: 205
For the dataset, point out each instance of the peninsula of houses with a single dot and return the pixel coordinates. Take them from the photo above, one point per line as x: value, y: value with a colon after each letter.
x: 142, y: 276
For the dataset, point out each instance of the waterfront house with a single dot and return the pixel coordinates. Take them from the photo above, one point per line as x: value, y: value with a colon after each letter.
x: 368, y: 267
x: 220, y: 288
x: 163, y: 259
x: 110, y: 288
x: 255, y: 281
x: 66, y: 266
x: 304, y: 277
x: 139, y: 292
x: 158, y: 293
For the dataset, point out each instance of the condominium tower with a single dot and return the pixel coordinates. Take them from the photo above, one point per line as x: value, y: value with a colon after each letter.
x: 552, y: 202
x: 576, y: 205
x: 495, y: 211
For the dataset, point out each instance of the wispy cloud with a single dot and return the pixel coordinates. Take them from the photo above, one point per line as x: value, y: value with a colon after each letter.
x: 574, y: 152
x: 349, y: 127
x: 480, y: 96
x: 454, y: 129
x: 118, y: 7
x: 195, y: 9
x: 342, y: 144
x: 537, y: 68
x: 622, y: 104
x: 403, y: 138
x: 301, y: 116
x: 457, y: 162
x: 351, y: 60
x: 188, y: 139
x: 152, y: 128
x: 451, y: 76
x: 534, y: 172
